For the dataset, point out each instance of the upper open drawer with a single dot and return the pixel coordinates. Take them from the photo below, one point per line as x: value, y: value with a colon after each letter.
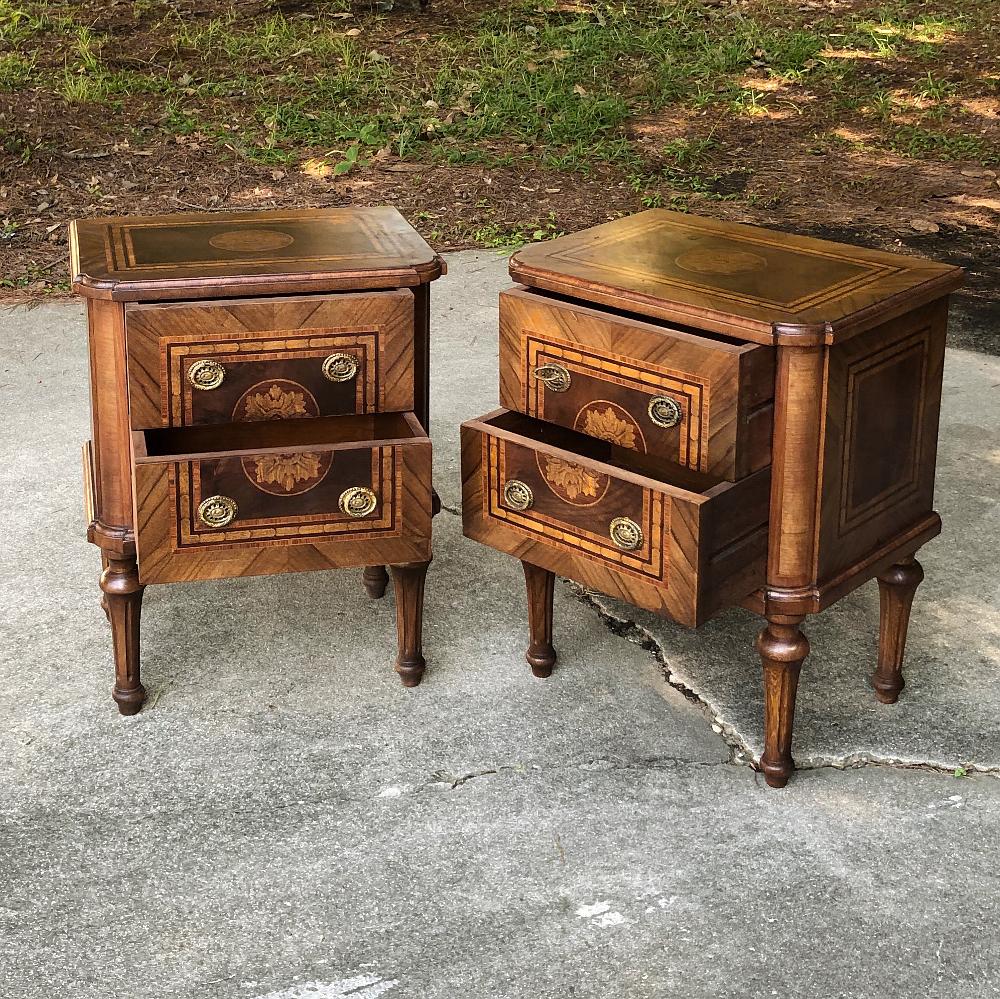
x: 269, y: 358
x: 700, y: 401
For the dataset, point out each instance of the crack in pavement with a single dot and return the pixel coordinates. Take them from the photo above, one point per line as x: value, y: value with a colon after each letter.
x: 740, y: 753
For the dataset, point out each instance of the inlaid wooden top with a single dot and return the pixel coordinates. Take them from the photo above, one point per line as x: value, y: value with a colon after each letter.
x: 731, y: 278
x: 202, y: 255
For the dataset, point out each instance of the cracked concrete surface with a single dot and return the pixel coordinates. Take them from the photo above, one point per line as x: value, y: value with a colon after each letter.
x: 285, y: 820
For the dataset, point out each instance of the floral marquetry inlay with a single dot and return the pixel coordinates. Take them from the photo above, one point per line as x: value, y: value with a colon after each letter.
x: 289, y: 473
x: 274, y: 404
x: 611, y: 423
x: 571, y: 482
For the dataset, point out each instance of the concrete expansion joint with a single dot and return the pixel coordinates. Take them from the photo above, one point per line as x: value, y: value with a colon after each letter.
x: 740, y: 753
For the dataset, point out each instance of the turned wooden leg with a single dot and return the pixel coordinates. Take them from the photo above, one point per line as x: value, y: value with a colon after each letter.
x: 782, y: 648
x: 375, y: 579
x: 104, y: 596
x: 123, y: 591
x: 408, y: 585
x: 541, y: 656
x: 896, y: 587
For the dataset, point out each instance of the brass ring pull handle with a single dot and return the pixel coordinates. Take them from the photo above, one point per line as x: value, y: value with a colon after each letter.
x: 553, y: 376
x: 518, y: 495
x: 340, y: 367
x: 206, y: 374
x: 664, y: 411
x: 626, y: 534
x: 217, y: 511
x: 358, y: 501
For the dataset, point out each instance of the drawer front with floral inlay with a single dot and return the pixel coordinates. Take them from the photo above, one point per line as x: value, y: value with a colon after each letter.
x: 270, y: 359
x: 557, y: 500
x: 337, y: 490
x: 699, y: 402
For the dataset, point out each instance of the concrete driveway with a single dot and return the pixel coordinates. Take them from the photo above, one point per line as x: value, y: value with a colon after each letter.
x: 284, y: 820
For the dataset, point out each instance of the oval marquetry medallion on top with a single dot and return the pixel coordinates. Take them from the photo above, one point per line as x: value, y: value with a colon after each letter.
x: 281, y: 474
x: 251, y: 240
x: 721, y: 260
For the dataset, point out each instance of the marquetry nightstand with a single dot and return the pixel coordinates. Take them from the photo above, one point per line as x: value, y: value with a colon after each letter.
x: 700, y: 414
x: 259, y: 388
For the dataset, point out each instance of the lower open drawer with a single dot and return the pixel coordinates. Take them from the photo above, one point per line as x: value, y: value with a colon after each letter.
x: 596, y: 513
x: 249, y: 499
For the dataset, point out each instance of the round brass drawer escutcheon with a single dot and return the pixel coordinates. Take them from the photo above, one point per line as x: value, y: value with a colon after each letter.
x: 626, y: 534
x: 664, y: 411
x: 518, y: 495
x: 358, y: 501
x: 206, y: 374
x: 340, y: 367
x: 554, y: 376
x: 217, y: 511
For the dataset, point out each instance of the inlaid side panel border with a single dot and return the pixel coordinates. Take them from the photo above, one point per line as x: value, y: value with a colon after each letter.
x: 917, y: 347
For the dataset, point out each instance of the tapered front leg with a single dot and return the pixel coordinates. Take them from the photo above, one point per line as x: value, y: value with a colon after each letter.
x: 408, y: 585
x: 123, y: 592
x: 376, y: 579
x: 782, y: 648
x: 540, y: 583
x: 896, y: 587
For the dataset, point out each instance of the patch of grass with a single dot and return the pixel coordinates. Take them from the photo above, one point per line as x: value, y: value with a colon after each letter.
x: 20, y: 24
x: 501, y: 235
x: 16, y: 70
x: 920, y: 143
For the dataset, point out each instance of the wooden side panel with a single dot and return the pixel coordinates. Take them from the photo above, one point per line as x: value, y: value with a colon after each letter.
x: 288, y: 516
x: 272, y: 352
x: 617, y: 365
x: 883, y: 406
x: 674, y: 572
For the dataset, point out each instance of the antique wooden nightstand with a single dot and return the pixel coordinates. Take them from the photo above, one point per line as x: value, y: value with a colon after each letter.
x: 259, y: 389
x: 701, y: 414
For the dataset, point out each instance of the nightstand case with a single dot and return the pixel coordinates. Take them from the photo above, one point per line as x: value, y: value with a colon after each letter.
x: 259, y: 390
x: 699, y: 414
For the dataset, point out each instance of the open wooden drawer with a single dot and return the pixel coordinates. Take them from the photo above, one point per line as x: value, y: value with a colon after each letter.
x: 248, y: 499
x: 695, y: 399
x: 603, y: 515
